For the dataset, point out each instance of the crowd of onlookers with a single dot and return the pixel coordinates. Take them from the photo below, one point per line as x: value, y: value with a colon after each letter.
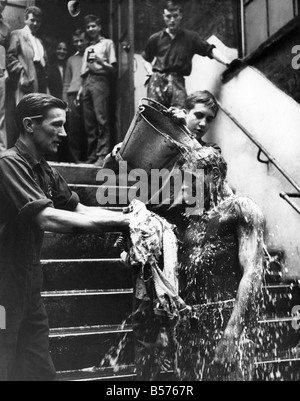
x: 82, y: 80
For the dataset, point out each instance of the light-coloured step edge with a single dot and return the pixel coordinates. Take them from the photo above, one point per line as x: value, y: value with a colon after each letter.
x: 89, y: 331
x: 85, y: 293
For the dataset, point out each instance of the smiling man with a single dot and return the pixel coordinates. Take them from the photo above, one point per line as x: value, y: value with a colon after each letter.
x: 34, y: 198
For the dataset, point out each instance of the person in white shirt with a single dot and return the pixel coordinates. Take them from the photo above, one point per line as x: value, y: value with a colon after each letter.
x: 27, y: 58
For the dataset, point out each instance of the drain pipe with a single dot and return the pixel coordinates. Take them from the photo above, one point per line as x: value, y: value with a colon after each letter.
x: 243, y: 28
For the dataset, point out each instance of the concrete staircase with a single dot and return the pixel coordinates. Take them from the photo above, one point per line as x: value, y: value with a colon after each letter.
x: 88, y: 296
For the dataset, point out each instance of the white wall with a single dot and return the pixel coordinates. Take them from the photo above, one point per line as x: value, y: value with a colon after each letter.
x: 274, y: 119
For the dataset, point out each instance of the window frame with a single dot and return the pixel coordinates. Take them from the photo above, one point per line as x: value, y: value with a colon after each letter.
x: 271, y: 38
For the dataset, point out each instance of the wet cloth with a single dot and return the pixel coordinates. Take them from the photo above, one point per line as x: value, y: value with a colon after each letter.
x: 167, y: 89
x: 153, y: 257
x: 154, y: 243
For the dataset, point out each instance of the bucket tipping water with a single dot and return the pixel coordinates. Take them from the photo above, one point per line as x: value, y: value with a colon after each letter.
x: 154, y: 140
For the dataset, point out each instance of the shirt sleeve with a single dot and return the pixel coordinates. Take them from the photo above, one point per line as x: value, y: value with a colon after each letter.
x: 20, y: 190
x: 150, y: 50
x: 65, y: 199
x: 112, y: 58
x: 202, y: 47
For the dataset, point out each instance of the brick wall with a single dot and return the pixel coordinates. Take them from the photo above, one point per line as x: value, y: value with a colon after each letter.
x: 207, y: 17
x: 276, y: 64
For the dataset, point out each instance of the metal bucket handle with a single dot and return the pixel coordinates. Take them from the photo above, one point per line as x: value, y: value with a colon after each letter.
x: 160, y: 107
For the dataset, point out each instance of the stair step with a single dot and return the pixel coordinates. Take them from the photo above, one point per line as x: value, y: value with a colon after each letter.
x: 121, y: 373
x: 88, y: 308
x: 89, y: 331
x: 281, y: 298
x: 77, y: 173
x: 277, y: 334
x: 86, y: 274
x: 82, y: 347
x: 87, y: 246
x: 283, y: 367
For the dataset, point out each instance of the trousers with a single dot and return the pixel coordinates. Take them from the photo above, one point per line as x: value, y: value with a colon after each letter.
x: 24, y: 338
x: 96, y: 94
x: 76, y: 131
x: 167, y: 89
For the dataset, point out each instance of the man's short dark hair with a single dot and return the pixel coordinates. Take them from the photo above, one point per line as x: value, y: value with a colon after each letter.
x: 92, y: 18
x: 37, y: 104
x: 203, y: 97
x: 78, y: 32
x: 173, y: 5
x: 36, y: 11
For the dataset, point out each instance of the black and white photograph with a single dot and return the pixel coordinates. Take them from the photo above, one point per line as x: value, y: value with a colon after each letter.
x: 150, y: 193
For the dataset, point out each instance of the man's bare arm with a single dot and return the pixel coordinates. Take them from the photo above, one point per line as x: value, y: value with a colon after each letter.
x: 251, y: 242
x: 83, y: 219
x: 220, y: 57
x: 148, y: 67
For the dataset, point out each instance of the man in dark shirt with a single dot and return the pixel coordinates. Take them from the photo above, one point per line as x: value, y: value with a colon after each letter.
x: 34, y: 198
x: 173, y: 50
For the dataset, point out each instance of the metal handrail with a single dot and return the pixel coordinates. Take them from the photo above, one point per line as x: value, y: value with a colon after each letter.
x: 264, y: 151
x: 286, y: 197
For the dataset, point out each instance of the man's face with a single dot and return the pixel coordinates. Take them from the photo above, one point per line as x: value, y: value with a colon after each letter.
x: 79, y: 43
x: 34, y: 23
x: 62, y: 51
x: 199, y: 120
x: 173, y: 20
x: 47, y: 136
x: 93, y: 30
